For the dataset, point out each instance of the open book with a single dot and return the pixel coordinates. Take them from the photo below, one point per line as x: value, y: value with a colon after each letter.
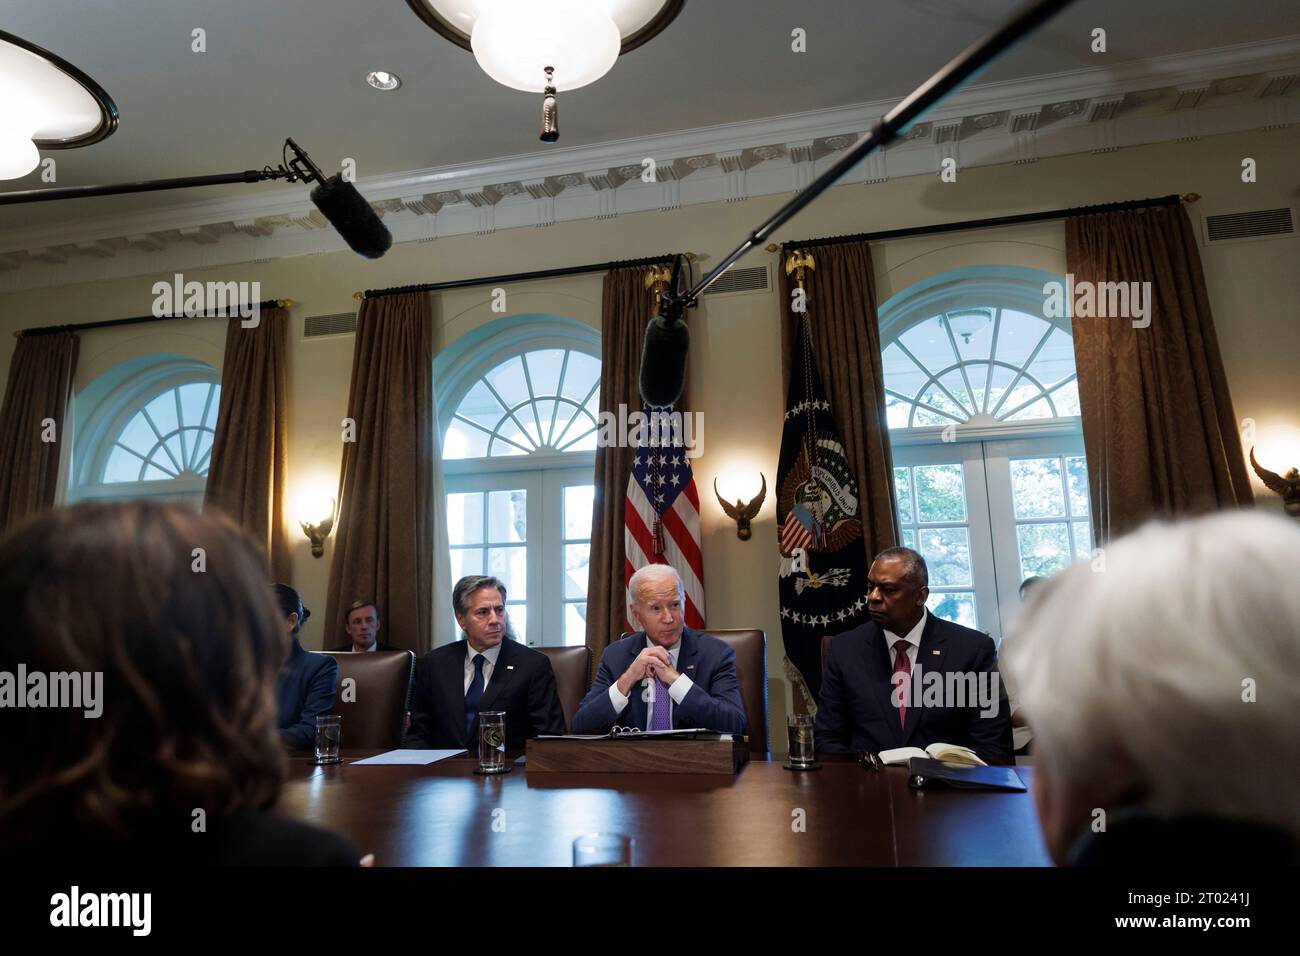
x: 950, y: 754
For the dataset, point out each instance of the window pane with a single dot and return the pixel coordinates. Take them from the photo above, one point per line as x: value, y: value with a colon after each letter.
x: 947, y: 554
x: 955, y: 606
x: 511, y: 566
x: 508, y: 380
x: 1018, y: 335
x: 582, y: 373
x: 1044, y: 549
x: 940, y: 494
x: 517, y: 611
x: 203, y: 452
x: 938, y: 400
x: 465, y: 561
x: 214, y: 405
x: 575, y: 624
x: 518, y: 442
x: 463, y: 441
x: 1066, y: 399
x: 903, y: 492
x: 955, y: 383
x: 896, y: 412
x: 194, y: 397
x: 481, y: 407
x: 465, y: 518
x: 153, y: 473
x: 582, y: 436
x: 578, y: 503
x: 122, y: 466
x: 1055, y: 360
x: 928, y: 341
x: 1036, y: 487
x: 909, y: 538
x: 137, y: 435
x: 1082, y: 540
x: 544, y: 370
x: 901, y: 373
x: 163, y: 411
x: 507, y: 516
x: 1038, y: 409
x: 1076, y: 468
x: 577, y: 558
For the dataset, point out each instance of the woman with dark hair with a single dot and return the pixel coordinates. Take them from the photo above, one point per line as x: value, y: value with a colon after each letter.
x: 307, y: 681
x: 166, y: 614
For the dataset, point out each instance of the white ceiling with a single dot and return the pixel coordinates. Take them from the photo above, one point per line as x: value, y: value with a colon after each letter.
x: 296, y: 68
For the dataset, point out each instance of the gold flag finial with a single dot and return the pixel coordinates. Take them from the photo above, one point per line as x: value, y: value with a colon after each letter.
x: 657, y: 278
x: 797, y: 262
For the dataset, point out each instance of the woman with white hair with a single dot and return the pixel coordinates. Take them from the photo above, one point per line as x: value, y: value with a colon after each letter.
x: 1162, y: 683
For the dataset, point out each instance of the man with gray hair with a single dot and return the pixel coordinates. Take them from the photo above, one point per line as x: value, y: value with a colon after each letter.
x: 909, y: 679
x: 488, y: 669
x: 1164, y: 696
x: 664, y: 676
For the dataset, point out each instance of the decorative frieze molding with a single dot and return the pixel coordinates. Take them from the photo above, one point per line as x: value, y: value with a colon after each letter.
x: 1177, y: 98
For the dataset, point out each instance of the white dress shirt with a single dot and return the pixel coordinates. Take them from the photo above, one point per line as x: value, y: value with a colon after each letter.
x: 913, y: 638
x: 492, y: 653
x: 677, y: 690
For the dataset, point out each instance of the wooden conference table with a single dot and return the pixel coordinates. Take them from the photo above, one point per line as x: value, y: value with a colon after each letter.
x: 443, y: 815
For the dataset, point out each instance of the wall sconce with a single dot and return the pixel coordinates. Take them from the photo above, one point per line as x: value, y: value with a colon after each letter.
x: 316, y: 518
x: 1288, y: 485
x: 742, y: 512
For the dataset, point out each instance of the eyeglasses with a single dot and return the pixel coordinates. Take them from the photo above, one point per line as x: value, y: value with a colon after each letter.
x: 869, y: 761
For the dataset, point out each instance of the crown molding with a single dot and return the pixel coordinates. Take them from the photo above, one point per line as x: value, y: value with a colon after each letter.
x: 1172, y: 98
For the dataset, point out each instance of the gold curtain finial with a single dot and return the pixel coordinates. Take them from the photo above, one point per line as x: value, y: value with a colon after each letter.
x: 1190, y: 197
x: 285, y: 303
x: 798, y: 262
x: 359, y: 296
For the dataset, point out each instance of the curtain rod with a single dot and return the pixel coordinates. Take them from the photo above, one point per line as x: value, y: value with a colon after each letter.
x: 110, y: 323
x: 1170, y: 200
x: 520, y: 276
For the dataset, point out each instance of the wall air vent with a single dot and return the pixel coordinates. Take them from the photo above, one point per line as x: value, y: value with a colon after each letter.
x: 1256, y: 224
x: 341, y: 323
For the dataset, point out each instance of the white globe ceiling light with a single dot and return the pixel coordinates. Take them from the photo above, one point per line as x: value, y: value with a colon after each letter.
x: 547, y: 46
x: 45, y: 103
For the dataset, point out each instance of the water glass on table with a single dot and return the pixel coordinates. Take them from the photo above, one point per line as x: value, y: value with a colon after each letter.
x: 329, y: 731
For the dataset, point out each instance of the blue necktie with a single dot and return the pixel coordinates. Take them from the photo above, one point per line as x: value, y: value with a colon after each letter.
x: 474, y: 694
x: 661, y: 716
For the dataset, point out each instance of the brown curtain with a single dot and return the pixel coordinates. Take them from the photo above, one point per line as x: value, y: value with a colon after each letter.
x: 247, y: 468
x: 1158, y: 425
x: 40, y: 387
x: 626, y: 308
x: 386, y: 543
x: 846, y: 340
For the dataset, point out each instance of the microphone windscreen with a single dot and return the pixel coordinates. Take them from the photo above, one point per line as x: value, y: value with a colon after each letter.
x: 352, y: 217
x: 663, y: 361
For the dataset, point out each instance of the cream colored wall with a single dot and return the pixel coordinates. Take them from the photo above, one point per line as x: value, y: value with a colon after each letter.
x: 735, y: 360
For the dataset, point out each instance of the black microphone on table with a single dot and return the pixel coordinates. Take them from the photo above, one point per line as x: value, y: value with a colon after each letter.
x: 344, y: 207
x: 663, y: 353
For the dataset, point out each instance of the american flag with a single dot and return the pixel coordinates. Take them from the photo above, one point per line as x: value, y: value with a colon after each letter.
x: 662, y: 520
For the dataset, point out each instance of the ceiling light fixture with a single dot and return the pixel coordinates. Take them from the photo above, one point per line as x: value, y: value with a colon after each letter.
x: 47, y: 104
x: 547, y: 47
x: 383, y: 80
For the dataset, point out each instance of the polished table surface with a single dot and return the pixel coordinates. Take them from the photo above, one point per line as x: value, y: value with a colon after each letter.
x: 444, y: 814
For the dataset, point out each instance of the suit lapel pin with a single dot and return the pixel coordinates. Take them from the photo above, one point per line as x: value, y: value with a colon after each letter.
x: 690, y: 667
x: 511, y: 667
x: 935, y: 653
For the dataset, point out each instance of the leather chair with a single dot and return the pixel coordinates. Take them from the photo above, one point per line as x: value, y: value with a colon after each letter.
x: 750, y: 646
x: 572, y: 667
x: 380, y: 698
x: 826, y: 648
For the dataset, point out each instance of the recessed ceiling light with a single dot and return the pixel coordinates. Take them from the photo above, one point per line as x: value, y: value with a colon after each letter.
x: 48, y: 104
x: 383, y: 80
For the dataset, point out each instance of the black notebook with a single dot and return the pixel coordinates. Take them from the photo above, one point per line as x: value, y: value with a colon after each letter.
x: 923, y: 773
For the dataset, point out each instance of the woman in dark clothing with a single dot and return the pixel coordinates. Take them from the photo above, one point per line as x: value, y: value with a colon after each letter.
x: 161, y: 620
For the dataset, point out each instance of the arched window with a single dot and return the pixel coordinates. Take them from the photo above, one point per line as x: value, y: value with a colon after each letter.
x: 982, y: 404
x: 148, y: 430
x: 517, y: 404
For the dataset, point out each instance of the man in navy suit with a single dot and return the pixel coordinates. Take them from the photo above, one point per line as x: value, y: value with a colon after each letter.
x: 307, y: 682
x: 877, y: 678
x: 487, y: 670
x: 362, y: 622
x: 665, y: 675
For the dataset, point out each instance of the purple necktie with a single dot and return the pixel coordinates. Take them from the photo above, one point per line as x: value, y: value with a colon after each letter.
x: 661, y: 717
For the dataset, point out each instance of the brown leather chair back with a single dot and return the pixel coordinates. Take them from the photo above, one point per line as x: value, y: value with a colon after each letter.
x: 379, y: 698
x: 826, y: 648
x: 751, y: 670
x: 572, y: 667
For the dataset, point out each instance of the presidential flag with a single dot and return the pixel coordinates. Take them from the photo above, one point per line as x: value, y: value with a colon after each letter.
x: 823, y: 572
x: 662, y: 514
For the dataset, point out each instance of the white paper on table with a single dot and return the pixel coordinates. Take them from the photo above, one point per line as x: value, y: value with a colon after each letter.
x: 408, y: 757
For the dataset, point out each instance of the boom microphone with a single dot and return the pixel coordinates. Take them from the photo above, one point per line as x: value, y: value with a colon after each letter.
x: 663, y: 353
x: 344, y: 207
